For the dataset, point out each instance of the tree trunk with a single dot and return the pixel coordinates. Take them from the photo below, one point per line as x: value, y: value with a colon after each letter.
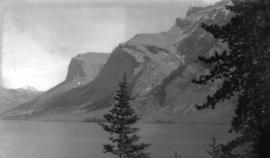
x: 264, y: 144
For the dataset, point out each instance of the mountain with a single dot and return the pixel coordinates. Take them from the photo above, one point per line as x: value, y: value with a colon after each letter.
x: 28, y: 89
x: 175, y: 97
x: 82, y: 69
x: 10, y: 98
x: 160, y: 67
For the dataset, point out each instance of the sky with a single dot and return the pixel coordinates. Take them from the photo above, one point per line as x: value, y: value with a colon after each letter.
x: 40, y: 37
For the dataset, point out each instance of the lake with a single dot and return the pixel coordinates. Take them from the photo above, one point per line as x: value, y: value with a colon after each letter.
x: 30, y: 139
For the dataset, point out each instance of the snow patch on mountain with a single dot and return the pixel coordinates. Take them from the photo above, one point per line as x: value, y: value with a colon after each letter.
x: 28, y: 89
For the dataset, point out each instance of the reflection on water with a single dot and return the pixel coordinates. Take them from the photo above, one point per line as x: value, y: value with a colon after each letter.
x: 23, y: 139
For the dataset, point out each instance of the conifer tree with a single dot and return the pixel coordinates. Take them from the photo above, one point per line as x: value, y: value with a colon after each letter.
x: 215, y: 149
x: 244, y: 69
x: 120, y: 121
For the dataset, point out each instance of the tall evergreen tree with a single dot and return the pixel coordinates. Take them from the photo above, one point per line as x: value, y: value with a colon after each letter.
x: 120, y: 121
x: 244, y: 69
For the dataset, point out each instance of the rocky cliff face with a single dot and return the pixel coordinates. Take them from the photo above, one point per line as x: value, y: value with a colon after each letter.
x: 160, y: 67
x: 84, y: 67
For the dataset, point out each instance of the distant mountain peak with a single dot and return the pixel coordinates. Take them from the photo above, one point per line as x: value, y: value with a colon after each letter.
x: 29, y: 88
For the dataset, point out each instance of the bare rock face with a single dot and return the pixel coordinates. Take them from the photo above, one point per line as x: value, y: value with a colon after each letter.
x: 160, y: 67
x: 75, y: 70
x: 82, y: 70
x: 84, y: 67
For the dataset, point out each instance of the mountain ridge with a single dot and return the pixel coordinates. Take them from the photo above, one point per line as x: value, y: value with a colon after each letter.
x: 78, y: 75
x: 10, y: 98
x: 160, y: 67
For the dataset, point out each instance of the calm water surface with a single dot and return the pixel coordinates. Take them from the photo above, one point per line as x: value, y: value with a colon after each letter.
x: 27, y: 139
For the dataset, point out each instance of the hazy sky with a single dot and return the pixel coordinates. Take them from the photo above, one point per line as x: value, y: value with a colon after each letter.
x: 40, y: 37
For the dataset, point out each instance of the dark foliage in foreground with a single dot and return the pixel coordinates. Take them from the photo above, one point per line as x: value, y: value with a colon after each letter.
x: 125, y: 142
x: 244, y: 69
